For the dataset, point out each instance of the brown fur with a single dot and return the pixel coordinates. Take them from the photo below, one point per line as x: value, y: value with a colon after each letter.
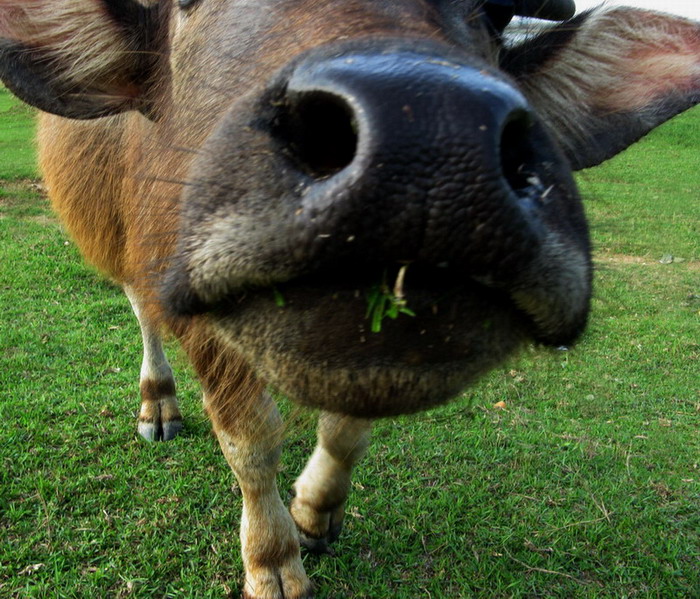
x: 154, y: 390
x: 229, y: 382
x: 98, y: 225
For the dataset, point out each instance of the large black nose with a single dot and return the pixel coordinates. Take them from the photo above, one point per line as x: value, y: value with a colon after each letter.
x: 394, y: 105
x: 413, y: 157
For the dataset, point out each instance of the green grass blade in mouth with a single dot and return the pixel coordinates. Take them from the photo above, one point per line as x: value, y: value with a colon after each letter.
x: 383, y: 302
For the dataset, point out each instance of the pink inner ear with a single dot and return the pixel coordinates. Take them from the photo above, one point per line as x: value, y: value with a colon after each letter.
x: 653, y: 72
x: 654, y: 77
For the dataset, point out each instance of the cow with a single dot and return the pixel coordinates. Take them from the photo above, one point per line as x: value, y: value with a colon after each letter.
x: 362, y: 204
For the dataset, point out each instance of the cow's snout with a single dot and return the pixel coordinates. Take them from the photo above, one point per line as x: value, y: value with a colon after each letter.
x: 356, y: 162
x: 410, y: 157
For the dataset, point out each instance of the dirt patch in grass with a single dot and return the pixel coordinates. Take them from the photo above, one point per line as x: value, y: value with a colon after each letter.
x: 621, y: 259
x: 22, y: 187
x: 26, y: 200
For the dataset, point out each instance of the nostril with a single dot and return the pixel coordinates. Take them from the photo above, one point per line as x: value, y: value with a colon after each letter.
x: 517, y: 152
x: 318, y: 131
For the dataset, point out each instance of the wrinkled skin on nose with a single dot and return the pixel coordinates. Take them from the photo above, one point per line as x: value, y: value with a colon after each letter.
x: 429, y: 136
x: 356, y: 164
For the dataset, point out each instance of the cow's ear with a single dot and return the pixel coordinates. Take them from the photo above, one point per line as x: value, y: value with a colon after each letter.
x: 606, y: 78
x: 79, y: 58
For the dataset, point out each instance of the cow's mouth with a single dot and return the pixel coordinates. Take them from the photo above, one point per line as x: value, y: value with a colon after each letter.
x: 322, y: 341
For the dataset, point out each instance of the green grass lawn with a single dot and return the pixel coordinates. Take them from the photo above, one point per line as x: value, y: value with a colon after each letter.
x: 586, y: 485
x: 16, y: 145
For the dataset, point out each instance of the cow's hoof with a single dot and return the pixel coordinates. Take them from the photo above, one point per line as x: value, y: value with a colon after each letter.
x: 317, y: 529
x: 288, y: 581
x: 160, y: 431
x: 322, y: 545
x: 159, y: 417
x: 171, y: 430
x: 307, y: 595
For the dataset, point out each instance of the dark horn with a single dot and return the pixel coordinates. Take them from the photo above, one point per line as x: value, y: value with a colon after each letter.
x: 551, y: 10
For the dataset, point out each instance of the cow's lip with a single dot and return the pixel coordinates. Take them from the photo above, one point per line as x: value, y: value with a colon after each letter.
x: 319, y: 347
x: 422, y: 290
x: 418, y: 290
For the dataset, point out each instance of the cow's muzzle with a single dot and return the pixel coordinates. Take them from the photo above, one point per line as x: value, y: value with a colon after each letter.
x: 356, y: 161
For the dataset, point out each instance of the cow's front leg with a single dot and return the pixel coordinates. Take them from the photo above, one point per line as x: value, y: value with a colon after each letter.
x: 318, y: 507
x: 250, y: 434
x: 159, y: 417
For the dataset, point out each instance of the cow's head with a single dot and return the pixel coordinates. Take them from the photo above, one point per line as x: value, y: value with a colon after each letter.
x: 355, y: 157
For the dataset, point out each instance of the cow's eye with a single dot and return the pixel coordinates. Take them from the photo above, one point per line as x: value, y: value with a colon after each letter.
x: 187, y: 4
